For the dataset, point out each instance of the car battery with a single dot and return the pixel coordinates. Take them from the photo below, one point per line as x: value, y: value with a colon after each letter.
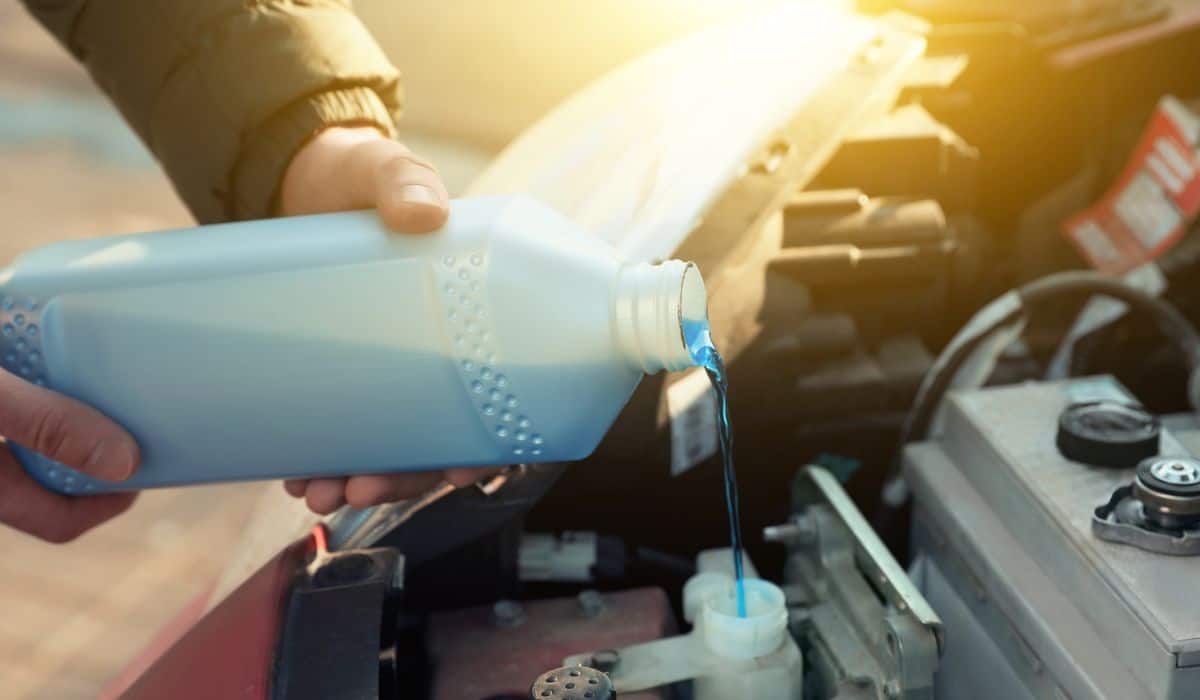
x: 1012, y: 552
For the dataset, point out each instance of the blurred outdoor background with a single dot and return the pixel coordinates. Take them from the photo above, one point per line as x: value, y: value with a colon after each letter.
x: 477, y: 73
x: 73, y: 615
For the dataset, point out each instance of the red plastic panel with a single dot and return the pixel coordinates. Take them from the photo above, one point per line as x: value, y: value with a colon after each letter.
x: 228, y: 654
x: 477, y: 658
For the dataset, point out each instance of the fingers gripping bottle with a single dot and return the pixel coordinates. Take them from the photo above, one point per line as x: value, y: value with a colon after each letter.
x: 326, y: 345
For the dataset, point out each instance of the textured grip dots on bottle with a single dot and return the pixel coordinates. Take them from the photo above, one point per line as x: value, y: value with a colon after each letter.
x: 20, y: 338
x: 462, y: 282
x: 21, y: 353
x: 58, y: 477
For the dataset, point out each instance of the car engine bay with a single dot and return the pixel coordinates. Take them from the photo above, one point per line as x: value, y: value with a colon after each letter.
x: 962, y: 474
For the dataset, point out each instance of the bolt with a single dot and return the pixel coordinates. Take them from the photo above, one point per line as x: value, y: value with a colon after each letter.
x: 798, y: 530
x: 605, y: 660
x: 892, y: 689
x: 778, y: 533
x: 508, y: 613
x: 591, y: 603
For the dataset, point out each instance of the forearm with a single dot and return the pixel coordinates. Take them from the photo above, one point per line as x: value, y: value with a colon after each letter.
x: 225, y: 92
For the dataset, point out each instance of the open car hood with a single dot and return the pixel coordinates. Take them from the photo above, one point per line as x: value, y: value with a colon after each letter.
x: 637, y: 157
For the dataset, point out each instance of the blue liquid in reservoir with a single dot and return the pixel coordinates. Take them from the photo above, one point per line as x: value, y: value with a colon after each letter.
x: 699, y: 343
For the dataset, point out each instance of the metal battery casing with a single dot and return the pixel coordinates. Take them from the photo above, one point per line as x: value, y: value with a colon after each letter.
x: 1002, y: 526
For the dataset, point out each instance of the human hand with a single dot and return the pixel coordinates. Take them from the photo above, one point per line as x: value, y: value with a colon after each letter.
x: 69, y: 432
x: 343, y: 169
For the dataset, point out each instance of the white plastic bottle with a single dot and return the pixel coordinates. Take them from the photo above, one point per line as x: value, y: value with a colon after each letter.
x: 327, y: 345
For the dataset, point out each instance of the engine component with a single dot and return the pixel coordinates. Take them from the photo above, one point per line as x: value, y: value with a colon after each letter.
x: 496, y: 650
x: 573, y: 683
x: 351, y: 592
x: 1011, y: 308
x: 911, y: 153
x: 725, y: 655
x: 1169, y: 487
x: 849, y: 599
x: 1107, y: 434
x: 1159, y: 511
x: 570, y: 557
x: 1036, y: 604
x: 887, y: 261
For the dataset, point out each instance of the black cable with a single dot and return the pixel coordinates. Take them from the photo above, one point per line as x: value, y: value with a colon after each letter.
x: 1007, y: 309
x: 1170, y: 322
x: 941, y: 374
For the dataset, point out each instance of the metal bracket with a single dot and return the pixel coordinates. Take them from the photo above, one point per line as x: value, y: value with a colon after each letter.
x: 865, y: 629
x: 1108, y: 525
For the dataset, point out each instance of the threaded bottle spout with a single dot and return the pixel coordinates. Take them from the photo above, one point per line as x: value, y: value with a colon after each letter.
x: 653, y: 308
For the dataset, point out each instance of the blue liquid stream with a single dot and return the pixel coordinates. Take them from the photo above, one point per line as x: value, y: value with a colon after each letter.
x: 697, y: 336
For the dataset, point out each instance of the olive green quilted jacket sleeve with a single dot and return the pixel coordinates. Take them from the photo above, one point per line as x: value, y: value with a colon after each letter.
x: 225, y: 91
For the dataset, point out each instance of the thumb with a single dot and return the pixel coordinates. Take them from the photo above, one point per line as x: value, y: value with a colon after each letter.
x: 405, y: 189
x: 64, y: 430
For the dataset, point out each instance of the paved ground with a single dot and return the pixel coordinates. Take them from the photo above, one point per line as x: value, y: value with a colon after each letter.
x: 72, y: 616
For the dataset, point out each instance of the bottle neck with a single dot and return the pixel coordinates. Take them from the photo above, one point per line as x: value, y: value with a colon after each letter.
x: 653, y: 306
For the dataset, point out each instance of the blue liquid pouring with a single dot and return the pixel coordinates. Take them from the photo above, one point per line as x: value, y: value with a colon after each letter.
x: 699, y: 343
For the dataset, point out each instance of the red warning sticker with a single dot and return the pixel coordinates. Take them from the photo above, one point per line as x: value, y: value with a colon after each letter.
x: 1158, y: 194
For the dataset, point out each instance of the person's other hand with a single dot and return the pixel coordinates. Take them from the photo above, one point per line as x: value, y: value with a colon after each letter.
x: 68, y: 432
x: 343, y: 169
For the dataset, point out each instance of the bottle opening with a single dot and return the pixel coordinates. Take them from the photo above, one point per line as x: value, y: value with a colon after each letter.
x: 693, y: 315
x: 661, y: 312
